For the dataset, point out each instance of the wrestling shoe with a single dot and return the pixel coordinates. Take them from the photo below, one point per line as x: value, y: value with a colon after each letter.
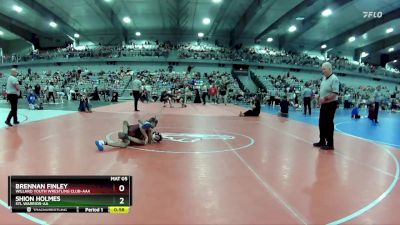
x: 100, y: 145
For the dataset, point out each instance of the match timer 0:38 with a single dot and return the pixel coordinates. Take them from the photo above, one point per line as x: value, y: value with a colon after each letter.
x: 77, y: 194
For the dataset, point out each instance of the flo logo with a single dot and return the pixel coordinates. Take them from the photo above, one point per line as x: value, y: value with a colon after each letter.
x: 193, y: 137
x: 372, y: 14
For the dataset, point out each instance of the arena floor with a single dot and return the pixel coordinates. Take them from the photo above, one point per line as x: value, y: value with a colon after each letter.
x: 214, y: 167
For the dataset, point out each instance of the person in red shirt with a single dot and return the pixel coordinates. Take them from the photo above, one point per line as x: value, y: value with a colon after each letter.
x: 212, y: 92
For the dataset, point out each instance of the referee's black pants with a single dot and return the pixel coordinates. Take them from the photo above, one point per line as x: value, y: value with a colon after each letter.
x: 13, y: 99
x: 136, y: 96
x: 376, y: 111
x: 307, y: 105
x: 326, y: 126
x: 51, y: 95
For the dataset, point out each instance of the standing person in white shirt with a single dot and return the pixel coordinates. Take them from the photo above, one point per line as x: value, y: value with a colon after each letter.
x: 12, y: 90
x: 50, y: 90
x: 204, y: 93
x: 346, y: 101
x: 136, y: 89
x: 307, y: 95
x: 272, y: 97
x: 329, y: 91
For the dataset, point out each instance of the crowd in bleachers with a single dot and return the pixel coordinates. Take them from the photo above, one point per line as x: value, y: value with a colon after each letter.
x: 142, y: 50
x: 271, y: 56
x: 193, y: 87
x: 70, y: 85
x: 276, y: 88
x: 200, y: 51
x: 83, y: 85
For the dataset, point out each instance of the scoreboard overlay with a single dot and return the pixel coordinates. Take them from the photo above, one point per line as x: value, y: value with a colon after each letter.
x: 70, y: 194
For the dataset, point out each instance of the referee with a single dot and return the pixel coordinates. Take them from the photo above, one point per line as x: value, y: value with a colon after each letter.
x: 136, y: 89
x: 12, y: 90
x: 329, y: 91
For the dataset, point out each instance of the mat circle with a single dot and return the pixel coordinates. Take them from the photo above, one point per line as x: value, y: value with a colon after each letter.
x: 240, y: 141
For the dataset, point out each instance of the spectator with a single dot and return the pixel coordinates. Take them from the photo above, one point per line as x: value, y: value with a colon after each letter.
x: 284, y: 104
x: 84, y: 104
x: 378, y: 97
x: 346, y: 101
x: 50, y: 90
x: 256, y: 108
x: 95, y: 95
x: 32, y: 100
x: 213, y: 93
x: 204, y: 93
x: 355, y: 113
x: 307, y: 95
x: 136, y: 89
